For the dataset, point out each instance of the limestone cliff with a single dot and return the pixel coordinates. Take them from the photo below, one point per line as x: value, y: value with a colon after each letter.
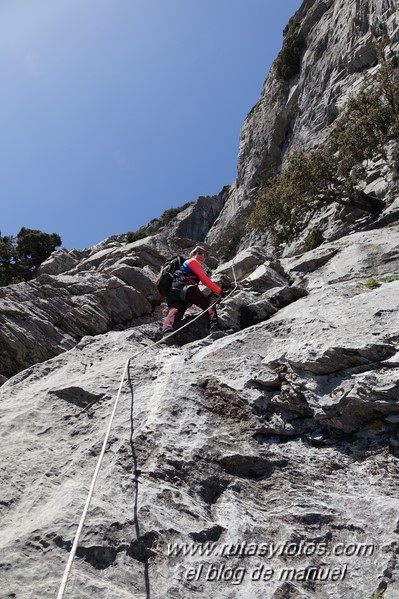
x: 263, y: 464
x: 339, y: 49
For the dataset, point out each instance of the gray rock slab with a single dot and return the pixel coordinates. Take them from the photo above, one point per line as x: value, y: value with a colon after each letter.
x: 220, y: 445
x: 354, y: 257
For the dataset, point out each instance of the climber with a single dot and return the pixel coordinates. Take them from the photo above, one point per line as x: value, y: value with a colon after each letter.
x: 185, y: 291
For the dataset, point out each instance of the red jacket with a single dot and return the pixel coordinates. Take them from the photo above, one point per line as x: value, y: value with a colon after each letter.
x: 196, y: 268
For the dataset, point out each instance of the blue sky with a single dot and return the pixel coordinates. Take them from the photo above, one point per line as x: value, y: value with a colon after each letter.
x: 113, y: 111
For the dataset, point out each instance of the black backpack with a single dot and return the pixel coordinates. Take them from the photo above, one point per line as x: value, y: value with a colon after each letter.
x: 164, y: 280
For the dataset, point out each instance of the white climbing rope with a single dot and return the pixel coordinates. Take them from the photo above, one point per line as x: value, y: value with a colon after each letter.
x: 72, y: 553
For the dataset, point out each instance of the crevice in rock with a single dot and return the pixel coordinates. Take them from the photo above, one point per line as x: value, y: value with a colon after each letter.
x: 338, y: 359
x: 251, y: 467
x: 268, y: 304
x: 199, y: 475
x: 317, y: 438
x: 210, y: 534
x: 211, y: 488
x: 349, y: 527
x: 38, y: 543
x: 141, y: 549
x: 264, y: 438
x: 315, y: 519
x: 7, y: 503
x: 102, y: 557
x: 77, y: 396
x: 247, y: 317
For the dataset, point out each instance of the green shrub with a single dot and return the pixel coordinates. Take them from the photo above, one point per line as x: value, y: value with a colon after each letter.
x: 368, y: 123
x: 292, y: 197
x: 372, y: 283
x: 20, y: 257
x: 288, y: 61
x: 132, y: 236
x: 34, y: 247
x: 390, y: 279
x: 313, y: 240
x: 334, y: 171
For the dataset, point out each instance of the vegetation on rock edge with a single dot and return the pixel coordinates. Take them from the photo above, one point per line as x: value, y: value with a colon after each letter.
x: 20, y: 257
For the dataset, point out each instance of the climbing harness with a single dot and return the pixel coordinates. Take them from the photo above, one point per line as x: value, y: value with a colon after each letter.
x: 72, y: 553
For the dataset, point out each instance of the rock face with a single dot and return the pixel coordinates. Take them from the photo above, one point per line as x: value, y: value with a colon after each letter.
x: 192, y: 222
x: 50, y: 314
x: 262, y: 464
x: 107, y: 288
x: 196, y: 221
x: 340, y: 40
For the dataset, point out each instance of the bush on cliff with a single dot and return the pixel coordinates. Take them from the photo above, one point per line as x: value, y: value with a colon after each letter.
x: 20, y: 257
x: 288, y: 61
x: 334, y: 172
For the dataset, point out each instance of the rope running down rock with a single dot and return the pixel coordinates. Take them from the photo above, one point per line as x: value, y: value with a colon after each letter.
x: 72, y: 553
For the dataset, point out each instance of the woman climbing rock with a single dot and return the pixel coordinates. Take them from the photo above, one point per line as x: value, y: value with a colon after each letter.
x: 185, y: 291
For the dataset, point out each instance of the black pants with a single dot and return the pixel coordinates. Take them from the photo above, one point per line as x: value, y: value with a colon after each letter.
x: 177, y: 307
